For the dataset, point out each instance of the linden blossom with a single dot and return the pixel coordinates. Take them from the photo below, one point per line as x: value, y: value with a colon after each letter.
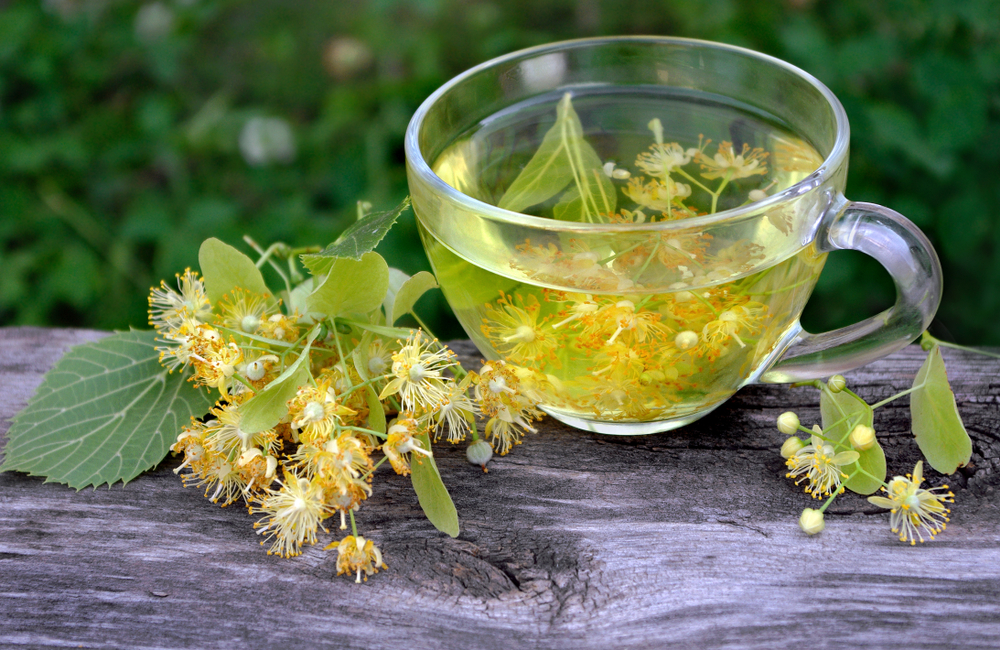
x: 310, y: 395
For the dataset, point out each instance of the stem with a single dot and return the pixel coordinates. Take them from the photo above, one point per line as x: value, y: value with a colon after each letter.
x: 354, y: 526
x: 372, y: 470
x: 829, y: 500
x: 718, y: 192
x: 693, y: 180
x: 362, y: 385
x: 707, y: 304
x: 238, y: 377
x: 898, y: 395
x: 340, y: 353
x: 259, y: 339
x: 928, y: 338
x: 266, y: 257
x: 645, y: 264
x: 620, y: 253
x: 372, y: 432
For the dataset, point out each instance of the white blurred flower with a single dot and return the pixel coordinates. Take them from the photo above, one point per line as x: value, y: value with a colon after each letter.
x: 153, y: 22
x: 266, y: 140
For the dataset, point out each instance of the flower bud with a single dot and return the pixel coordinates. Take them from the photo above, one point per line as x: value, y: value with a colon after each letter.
x: 788, y: 423
x: 811, y: 521
x: 863, y: 437
x: 791, y: 447
x: 836, y: 383
x: 686, y: 340
x: 479, y: 453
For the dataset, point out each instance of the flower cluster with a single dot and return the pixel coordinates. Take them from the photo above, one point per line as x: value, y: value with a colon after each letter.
x: 830, y: 459
x: 352, y: 399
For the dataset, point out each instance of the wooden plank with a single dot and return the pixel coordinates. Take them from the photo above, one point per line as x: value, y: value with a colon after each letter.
x: 574, y: 540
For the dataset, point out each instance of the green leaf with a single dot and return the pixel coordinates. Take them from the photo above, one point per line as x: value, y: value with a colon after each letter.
x: 360, y: 238
x: 549, y: 171
x: 106, y: 412
x: 411, y: 291
x: 431, y: 492
x: 563, y: 157
x: 937, y: 426
x: 381, y: 330
x: 350, y: 286
x: 265, y: 409
x: 376, y: 412
x: 397, y: 279
x: 841, y: 412
x: 224, y: 268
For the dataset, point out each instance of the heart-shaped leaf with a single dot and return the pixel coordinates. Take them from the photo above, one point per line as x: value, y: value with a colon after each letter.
x: 106, y: 412
x: 224, y: 268
x: 350, y: 286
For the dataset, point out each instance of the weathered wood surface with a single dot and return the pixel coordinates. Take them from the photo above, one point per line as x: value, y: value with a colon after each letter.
x: 574, y: 540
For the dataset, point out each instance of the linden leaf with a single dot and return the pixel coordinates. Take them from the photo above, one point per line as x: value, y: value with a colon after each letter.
x: 431, y: 492
x: 350, y: 286
x: 106, y: 412
x: 937, y: 426
x: 224, y: 268
x: 549, y: 171
x: 265, y: 409
x: 841, y: 412
x: 397, y: 279
x: 409, y: 293
x: 360, y: 238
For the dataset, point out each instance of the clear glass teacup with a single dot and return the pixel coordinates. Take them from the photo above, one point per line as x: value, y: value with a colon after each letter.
x: 636, y: 224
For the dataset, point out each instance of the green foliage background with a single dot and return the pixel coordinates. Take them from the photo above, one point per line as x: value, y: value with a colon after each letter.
x: 120, y: 125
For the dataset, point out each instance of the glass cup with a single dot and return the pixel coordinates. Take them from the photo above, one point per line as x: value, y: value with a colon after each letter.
x: 635, y: 225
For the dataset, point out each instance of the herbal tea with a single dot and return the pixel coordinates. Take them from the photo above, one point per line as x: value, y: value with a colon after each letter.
x: 629, y: 327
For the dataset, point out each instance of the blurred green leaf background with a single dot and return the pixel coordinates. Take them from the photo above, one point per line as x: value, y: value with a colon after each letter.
x: 131, y: 131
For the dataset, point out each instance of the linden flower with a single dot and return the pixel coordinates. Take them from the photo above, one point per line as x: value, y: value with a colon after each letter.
x: 379, y: 357
x: 457, y: 411
x: 662, y: 159
x: 279, y: 327
x: 622, y: 320
x: 314, y: 411
x: 401, y: 441
x: 729, y: 323
x: 733, y: 165
x: 216, y: 363
x: 191, y: 441
x: 341, y: 465
x: 243, y: 311
x: 510, y: 413
x: 292, y: 514
x: 656, y: 195
x: 168, y: 309
x: 217, y: 471
x: 583, y: 305
x: 915, y: 511
x: 513, y: 329
x: 356, y: 554
x: 819, y: 464
x: 226, y: 436
x: 417, y: 371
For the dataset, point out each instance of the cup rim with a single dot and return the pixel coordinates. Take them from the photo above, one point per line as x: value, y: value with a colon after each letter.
x: 832, y: 162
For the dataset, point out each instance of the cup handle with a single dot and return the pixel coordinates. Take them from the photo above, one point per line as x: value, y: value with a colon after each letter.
x: 907, y: 255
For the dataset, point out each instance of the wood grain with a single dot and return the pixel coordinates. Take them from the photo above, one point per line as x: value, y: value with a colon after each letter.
x: 574, y: 540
